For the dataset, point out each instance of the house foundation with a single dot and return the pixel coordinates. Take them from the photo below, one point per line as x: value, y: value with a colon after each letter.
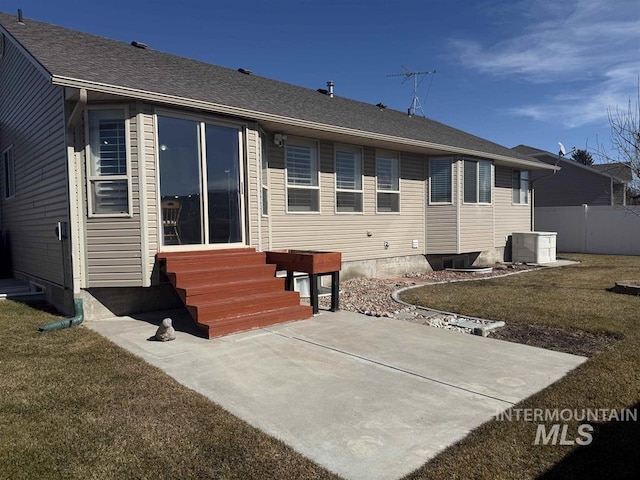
x: 116, y: 301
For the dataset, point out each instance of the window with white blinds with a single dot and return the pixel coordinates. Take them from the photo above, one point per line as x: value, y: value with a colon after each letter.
x: 303, y: 192
x: 440, y: 180
x: 348, y: 165
x: 520, y: 186
x: 387, y: 182
x: 470, y: 181
x: 484, y: 182
x: 108, y: 179
x: 477, y: 181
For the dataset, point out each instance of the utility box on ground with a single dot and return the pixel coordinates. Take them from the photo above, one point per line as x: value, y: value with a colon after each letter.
x: 534, y: 247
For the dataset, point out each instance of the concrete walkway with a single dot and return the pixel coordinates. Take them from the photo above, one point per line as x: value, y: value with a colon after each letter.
x: 367, y: 398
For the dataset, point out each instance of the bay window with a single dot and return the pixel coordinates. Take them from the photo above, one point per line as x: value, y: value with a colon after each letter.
x: 348, y: 168
x: 440, y: 180
x: 477, y: 181
x: 387, y: 182
x: 108, y: 170
x: 303, y: 190
x: 520, y: 186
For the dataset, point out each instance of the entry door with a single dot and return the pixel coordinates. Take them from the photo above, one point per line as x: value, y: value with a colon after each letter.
x: 200, y: 182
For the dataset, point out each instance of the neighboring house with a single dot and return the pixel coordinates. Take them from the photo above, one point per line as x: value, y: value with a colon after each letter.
x: 577, y: 184
x: 113, y: 139
x: 585, y: 205
x: 623, y: 175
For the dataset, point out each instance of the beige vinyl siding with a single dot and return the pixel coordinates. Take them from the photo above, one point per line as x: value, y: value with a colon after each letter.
x: 442, y: 221
x: 32, y: 120
x: 509, y: 217
x: 476, y: 228
x: 475, y: 220
x: 348, y: 232
x: 114, y: 252
x: 252, y: 189
x: 264, y: 222
x: 151, y: 191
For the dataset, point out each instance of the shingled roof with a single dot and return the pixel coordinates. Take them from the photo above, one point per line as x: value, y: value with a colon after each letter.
x: 100, y: 64
x: 620, y: 171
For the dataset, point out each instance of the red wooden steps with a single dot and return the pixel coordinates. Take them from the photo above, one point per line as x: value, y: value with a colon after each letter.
x: 231, y: 290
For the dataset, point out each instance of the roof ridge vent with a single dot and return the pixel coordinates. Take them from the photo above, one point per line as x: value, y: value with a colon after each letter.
x: 245, y: 71
x: 137, y: 44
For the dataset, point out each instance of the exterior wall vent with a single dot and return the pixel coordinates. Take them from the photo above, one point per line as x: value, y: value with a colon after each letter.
x: 457, y: 261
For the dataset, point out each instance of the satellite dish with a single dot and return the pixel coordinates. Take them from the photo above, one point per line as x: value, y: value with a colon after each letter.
x: 563, y: 151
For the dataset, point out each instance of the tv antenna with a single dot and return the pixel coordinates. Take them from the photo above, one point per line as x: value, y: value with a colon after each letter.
x: 407, y: 74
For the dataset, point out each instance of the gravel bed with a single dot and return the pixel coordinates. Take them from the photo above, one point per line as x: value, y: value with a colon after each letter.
x: 372, y: 296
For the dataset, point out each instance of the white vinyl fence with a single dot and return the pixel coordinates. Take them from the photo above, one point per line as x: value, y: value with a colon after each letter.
x: 588, y: 229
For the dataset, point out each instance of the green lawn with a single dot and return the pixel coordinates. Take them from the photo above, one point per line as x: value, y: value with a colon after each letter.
x: 574, y: 298
x: 74, y: 405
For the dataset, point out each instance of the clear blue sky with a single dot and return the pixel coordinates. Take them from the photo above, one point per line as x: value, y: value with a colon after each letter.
x: 521, y: 71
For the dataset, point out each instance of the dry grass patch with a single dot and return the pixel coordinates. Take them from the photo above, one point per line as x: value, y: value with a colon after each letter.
x: 74, y: 405
x: 572, y: 299
x: 576, y: 296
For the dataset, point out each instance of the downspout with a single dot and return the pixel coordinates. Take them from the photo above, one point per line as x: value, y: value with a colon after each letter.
x: 66, y: 322
x: 78, y: 318
x: 533, y: 210
x: 533, y: 197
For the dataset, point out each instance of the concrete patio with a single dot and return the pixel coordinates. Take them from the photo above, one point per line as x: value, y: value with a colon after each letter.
x: 367, y: 398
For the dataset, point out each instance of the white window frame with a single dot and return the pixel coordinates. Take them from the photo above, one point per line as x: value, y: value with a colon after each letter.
x: 9, y: 172
x: 360, y: 155
x: 264, y: 175
x: 202, y: 121
x: 91, y: 179
x: 314, y: 146
x: 518, y: 187
x: 386, y: 154
x: 450, y: 160
x: 477, y: 162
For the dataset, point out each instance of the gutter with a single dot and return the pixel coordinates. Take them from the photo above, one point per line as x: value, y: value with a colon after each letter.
x: 67, y: 322
x: 295, y: 122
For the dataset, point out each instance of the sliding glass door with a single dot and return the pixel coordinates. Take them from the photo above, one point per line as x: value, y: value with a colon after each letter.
x: 200, y: 182
x: 223, y: 184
